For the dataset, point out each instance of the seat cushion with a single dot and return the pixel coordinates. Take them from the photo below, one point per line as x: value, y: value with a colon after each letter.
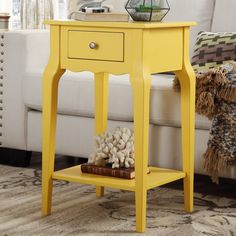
x: 76, y: 97
x: 224, y: 16
x: 200, y: 11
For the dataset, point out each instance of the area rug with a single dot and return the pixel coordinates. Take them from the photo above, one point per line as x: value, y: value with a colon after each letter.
x: 77, y: 211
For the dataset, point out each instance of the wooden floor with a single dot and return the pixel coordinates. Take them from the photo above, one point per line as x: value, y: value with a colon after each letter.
x: 203, y: 184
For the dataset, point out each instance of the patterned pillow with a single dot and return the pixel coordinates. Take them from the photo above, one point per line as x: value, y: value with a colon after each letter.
x: 213, y: 50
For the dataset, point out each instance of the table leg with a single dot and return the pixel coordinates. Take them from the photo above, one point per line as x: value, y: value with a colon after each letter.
x: 141, y: 90
x: 50, y: 86
x: 51, y: 77
x: 187, y: 82
x: 101, y: 109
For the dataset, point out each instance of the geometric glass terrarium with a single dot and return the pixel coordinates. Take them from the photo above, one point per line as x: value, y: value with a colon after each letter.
x: 147, y: 10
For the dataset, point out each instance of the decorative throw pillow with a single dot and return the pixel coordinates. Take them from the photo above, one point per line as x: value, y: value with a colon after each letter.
x: 213, y: 49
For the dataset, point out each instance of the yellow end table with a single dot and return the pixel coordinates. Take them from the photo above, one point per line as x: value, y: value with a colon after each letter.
x: 138, y: 49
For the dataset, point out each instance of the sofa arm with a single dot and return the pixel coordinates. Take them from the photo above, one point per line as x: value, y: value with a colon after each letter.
x: 24, y: 51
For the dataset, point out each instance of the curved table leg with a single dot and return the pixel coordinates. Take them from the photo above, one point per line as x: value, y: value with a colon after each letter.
x: 50, y: 85
x: 51, y: 77
x: 141, y: 83
x: 101, y: 109
x: 187, y: 82
x: 188, y: 86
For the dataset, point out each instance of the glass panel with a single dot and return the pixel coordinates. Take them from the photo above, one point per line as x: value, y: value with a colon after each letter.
x: 147, y: 10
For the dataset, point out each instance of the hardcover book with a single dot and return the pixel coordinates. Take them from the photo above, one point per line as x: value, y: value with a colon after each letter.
x: 82, y: 16
x: 124, y: 173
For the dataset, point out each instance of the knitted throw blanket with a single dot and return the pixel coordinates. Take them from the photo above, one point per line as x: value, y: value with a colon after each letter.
x: 216, y: 99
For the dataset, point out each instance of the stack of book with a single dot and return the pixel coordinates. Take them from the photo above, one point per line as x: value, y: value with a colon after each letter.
x: 108, y: 16
x: 4, y: 20
x: 124, y: 173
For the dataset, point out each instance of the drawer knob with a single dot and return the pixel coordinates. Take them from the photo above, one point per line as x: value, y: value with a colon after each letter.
x: 93, y: 45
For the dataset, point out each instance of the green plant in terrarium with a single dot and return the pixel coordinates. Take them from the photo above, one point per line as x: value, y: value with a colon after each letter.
x: 143, y: 8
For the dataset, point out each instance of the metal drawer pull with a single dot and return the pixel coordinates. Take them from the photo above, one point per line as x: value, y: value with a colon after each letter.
x: 93, y: 45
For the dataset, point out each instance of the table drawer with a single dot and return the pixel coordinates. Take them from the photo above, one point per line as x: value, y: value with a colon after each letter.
x: 104, y: 46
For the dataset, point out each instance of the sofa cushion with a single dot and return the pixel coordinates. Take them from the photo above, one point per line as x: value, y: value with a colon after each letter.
x: 200, y: 11
x: 76, y: 97
x: 224, y: 16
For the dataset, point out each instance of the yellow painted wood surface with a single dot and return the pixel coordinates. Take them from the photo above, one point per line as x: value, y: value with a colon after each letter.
x: 140, y: 79
x: 157, y: 177
x: 163, y: 49
x: 101, y: 102
x: 99, y: 66
x: 161, y: 52
x: 188, y: 86
x: 79, y: 41
x: 121, y: 25
x: 147, y: 48
x: 51, y: 78
x: 101, y: 110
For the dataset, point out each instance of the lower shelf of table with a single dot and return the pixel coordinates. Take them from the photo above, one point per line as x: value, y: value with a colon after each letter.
x: 157, y: 177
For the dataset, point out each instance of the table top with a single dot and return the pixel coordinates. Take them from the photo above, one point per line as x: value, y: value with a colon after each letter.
x: 129, y: 24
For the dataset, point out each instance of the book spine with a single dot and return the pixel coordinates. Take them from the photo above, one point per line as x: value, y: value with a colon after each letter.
x: 105, y: 171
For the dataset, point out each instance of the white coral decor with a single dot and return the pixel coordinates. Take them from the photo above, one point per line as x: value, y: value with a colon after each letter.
x: 115, y: 148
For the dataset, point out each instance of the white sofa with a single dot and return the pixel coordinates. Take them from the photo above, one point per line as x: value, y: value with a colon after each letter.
x: 25, y: 57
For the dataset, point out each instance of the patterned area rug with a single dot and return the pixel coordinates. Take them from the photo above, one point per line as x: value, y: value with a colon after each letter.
x: 77, y: 211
